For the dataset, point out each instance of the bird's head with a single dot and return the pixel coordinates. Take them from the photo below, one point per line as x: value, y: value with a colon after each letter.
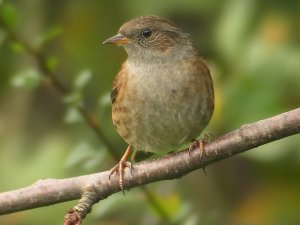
x: 152, y: 38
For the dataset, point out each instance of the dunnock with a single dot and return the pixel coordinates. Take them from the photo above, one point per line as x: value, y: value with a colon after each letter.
x: 162, y: 97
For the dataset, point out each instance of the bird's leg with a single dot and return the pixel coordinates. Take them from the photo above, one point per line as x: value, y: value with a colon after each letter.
x: 119, y: 168
x: 201, y: 142
x: 201, y: 145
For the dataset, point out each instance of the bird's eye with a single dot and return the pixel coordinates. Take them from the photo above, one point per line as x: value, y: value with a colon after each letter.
x: 147, y: 33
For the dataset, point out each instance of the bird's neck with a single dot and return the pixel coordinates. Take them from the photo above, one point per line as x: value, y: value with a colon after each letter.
x: 154, y: 58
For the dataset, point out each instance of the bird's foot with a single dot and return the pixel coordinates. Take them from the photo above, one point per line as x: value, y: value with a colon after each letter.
x: 119, y: 168
x: 200, y: 143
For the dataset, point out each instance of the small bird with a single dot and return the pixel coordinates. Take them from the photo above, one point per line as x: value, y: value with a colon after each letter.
x: 162, y: 98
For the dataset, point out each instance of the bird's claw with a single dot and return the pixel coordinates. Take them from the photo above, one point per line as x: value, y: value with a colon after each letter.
x: 201, y: 142
x: 201, y: 145
x: 119, y: 168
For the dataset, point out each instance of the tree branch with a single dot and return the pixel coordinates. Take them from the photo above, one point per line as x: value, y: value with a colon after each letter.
x: 95, y: 187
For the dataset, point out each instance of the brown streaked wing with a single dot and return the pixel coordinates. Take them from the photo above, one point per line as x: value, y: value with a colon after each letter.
x: 118, y: 83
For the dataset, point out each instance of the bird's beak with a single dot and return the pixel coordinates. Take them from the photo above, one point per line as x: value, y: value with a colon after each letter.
x: 119, y: 39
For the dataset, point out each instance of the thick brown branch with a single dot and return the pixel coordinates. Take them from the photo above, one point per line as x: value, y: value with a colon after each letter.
x: 97, y: 186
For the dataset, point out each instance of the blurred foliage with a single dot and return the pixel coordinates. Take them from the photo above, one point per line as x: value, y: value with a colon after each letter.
x: 27, y: 79
x: 253, y: 49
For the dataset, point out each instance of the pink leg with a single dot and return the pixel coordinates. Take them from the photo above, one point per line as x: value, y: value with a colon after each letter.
x: 119, y: 168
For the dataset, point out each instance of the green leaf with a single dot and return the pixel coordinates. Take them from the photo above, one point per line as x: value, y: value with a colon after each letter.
x: 104, y: 104
x: 73, y: 98
x: 28, y: 78
x: 9, y: 15
x: 95, y: 160
x: 82, y: 79
x: 171, y: 203
x: 48, y: 36
x: 72, y: 115
x: 17, y: 47
x: 232, y: 28
x: 86, y: 156
x: 104, y: 100
x: 183, y: 215
x: 51, y: 63
x: 80, y: 153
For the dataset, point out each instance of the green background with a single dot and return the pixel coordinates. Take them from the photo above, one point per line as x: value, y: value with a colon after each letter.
x: 253, y: 51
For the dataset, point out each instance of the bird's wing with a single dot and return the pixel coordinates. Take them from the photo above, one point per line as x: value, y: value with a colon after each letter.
x: 118, y: 83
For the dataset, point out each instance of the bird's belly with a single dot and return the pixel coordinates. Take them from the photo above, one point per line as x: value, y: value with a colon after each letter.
x: 164, y: 116
x: 162, y: 128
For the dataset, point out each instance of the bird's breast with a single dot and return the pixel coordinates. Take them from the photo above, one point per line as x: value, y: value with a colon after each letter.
x: 164, y: 106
